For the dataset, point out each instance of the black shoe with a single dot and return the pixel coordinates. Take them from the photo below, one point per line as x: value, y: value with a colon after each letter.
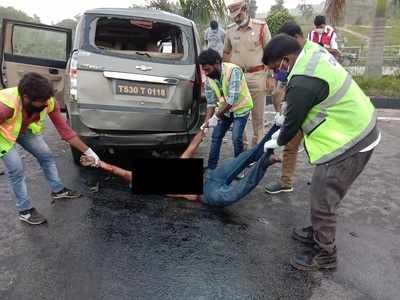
x: 304, y: 235
x: 32, y: 216
x: 276, y: 188
x: 66, y: 194
x: 315, y: 260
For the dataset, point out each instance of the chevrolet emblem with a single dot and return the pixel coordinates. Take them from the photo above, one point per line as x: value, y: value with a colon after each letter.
x: 144, y: 68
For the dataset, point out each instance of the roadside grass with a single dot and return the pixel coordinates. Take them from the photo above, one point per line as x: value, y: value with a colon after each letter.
x: 392, y: 33
x: 387, y: 86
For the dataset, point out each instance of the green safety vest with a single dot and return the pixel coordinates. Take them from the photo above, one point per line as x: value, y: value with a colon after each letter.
x: 244, y: 103
x: 9, y: 130
x: 344, y: 118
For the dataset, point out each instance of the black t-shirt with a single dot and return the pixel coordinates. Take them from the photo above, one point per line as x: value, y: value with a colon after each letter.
x: 302, y: 93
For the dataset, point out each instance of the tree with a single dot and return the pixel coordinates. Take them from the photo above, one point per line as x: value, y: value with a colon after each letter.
x: 377, y: 40
x: 395, y: 7
x: 278, y: 6
x: 202, y: 11
x: 277, y: 18
x: 12, y: 13
x: 164, y: 5
x: 67, y: 23
x: 253, y: 8
x: 377, y: 34
x: 307, y: 11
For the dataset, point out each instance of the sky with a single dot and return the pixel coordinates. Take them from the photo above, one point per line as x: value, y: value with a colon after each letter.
x: 53, y: 11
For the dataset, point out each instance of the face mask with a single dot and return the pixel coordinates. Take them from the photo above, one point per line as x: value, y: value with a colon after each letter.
x: 33, y: 109
x: 215, y: 74
x: 280, y: 74
x: 320, y: 30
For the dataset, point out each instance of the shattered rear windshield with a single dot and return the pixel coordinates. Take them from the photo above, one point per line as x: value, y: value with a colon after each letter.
x: 150, y: 40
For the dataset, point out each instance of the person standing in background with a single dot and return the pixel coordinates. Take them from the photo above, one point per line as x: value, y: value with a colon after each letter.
x: 214, y: 37
x: 244, y: 43
x: 325, y: 35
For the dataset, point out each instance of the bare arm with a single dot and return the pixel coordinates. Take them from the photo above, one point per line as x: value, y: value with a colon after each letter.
x: 77, y: 143
x: 277, y: 97
x: 125, y: 174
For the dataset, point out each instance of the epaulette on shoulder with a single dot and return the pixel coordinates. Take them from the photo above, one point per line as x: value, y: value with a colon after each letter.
x: 261, y: 22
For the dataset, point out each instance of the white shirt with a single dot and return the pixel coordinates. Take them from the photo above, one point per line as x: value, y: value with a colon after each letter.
x: 373, y: 145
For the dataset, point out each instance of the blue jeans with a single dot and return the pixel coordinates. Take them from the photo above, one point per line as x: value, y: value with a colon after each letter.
x: 220, y: 188
x: 239, y: 124
x: 36, y: 145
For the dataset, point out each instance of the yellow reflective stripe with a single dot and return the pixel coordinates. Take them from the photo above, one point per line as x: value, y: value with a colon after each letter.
x: 327, y: 103
x: 313, y: 62
x: 350, y: 144
x: 314, y: 123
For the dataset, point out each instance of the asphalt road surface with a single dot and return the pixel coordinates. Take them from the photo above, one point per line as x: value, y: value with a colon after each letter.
x: 110, y: 244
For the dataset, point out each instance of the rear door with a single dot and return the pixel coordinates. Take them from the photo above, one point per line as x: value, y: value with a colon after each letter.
x: 31, y: 47
x: 135, y: 75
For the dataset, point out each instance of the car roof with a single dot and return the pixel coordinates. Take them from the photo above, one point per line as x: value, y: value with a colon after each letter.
x: 142, y: 12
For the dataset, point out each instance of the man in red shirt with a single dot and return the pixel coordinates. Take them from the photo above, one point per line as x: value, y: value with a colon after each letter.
x: 22, y: 113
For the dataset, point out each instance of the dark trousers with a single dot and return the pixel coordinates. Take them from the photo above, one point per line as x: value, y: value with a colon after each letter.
x: 239, y: 124
x: 221, y: 189
x: 330, y: 183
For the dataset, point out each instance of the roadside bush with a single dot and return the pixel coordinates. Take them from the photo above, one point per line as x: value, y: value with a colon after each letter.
x: 277, y: 18
x: 387, y: 86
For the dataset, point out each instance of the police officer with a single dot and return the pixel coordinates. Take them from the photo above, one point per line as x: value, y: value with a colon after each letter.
x: 339, y: 125
x: 244, y: 43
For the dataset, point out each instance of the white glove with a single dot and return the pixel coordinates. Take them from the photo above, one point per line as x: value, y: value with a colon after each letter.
x: 279, y: 119
x: 204, y: 128
x: 276, y: 135
x: 89, y: 152
x: 213, y: 121
x: 271, y: 144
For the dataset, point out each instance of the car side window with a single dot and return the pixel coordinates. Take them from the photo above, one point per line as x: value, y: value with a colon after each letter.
x: 39, y: 43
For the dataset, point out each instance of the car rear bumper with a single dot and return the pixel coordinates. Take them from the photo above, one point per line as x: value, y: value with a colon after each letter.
x: 159, y: 140
x: 148, y: 141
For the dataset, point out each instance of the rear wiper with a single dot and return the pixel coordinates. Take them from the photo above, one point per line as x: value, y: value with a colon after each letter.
x: 143, y: 53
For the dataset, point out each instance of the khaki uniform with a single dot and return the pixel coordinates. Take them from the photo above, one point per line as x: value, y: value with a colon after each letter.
x: 291, y: 149
x: 245, y: 46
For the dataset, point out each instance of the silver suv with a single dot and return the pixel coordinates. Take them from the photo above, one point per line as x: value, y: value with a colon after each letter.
x: 129, y: 79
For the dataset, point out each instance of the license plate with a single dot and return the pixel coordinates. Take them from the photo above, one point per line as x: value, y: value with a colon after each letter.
x: 141, y: 89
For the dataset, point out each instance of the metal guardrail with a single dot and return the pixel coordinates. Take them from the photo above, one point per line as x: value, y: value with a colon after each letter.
x: 357, y: 56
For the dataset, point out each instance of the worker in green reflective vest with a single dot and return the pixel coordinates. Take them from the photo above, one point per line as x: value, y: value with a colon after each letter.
x: 23, y: 110
x: 340, y: 132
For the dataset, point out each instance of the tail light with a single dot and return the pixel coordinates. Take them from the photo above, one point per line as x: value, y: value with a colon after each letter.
x: 73, y: 77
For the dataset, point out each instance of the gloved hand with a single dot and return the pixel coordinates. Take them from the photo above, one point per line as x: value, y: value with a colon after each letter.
x: 89, y: 152
x: 213, y: 121
x: 204, y: 128
x: 271, y: 144
x: 279, y: 119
